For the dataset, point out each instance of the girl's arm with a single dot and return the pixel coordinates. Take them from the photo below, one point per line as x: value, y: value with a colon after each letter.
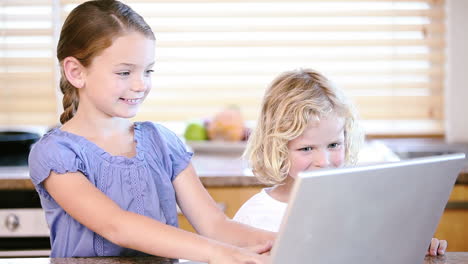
x: 89, y: 206
x: 205, y: 216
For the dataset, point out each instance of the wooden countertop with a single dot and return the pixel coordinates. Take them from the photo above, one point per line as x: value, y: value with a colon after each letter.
x: 219, y: 166
x: 449, y: 258
x: 208, y: 181
x: 24, y: 183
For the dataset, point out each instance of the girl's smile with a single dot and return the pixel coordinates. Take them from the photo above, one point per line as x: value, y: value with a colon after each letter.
x: 135, y: 101
x: 119, y: 79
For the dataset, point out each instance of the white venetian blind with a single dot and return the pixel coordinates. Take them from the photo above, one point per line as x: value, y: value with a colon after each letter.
x: 388, y: 56
x: 27, y: 95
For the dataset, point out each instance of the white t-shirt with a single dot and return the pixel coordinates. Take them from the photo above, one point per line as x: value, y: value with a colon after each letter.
x: 262, y: 211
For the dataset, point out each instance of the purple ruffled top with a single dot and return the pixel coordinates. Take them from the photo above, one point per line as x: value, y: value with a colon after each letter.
x: 141, y: 184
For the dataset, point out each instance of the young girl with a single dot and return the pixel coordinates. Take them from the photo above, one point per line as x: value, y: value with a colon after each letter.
x: 305, y: 124
x: 109, y: 187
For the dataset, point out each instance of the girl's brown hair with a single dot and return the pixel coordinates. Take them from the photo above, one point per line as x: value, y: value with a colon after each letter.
x: 292, y: 100
x: 88, y: 30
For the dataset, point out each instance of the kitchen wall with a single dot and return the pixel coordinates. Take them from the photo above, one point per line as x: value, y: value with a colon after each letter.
x: 456, y: 95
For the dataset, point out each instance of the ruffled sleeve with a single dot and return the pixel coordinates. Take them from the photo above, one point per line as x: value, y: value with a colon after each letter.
x: 51, y: 154
x: 178, y: 156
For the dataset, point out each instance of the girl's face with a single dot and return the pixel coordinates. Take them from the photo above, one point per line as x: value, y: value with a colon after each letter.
x: 320, y: 146
x: 119, y: 78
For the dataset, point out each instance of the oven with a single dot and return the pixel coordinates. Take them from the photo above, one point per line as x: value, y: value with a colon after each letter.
x: 23, y: 228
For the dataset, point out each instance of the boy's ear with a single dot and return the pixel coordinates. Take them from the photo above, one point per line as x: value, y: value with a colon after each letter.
x: 74, y: 72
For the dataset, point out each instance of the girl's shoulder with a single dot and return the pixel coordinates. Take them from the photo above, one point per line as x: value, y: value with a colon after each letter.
x: 58, y: 146
x: 57, y: 151
x: 162, y: 146
x: 261, y: 211
x: 263, y: 198
x: 155, y: 134
x: 259, y: 201
x: 57, y: 140
x: 262, y: 202
x: 154, y: 128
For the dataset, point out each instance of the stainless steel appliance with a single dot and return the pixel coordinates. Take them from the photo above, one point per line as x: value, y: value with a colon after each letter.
x: 23, y: 229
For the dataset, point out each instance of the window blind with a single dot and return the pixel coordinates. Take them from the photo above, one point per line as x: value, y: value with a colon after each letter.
x: 388, y: 56
x: 27, y: 93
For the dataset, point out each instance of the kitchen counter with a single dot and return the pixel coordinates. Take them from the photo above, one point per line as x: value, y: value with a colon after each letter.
x: 218, y: 164
x: 15, y: 181
x: 449, y: 258
x: 212, y: 179
x: 224, y: 180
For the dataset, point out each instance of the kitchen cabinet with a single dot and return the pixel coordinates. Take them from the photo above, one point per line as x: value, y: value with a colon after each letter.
x: 453, y: 225
x: 229, y: 198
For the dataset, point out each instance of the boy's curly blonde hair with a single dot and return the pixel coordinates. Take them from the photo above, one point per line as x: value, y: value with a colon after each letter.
x: 292, y: 100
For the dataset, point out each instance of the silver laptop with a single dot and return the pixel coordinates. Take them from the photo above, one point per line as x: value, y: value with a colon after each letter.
x: 385, y: 213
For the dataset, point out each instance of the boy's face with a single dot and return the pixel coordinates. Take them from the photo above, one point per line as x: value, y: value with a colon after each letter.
x: 119, y: 79
x: 322, y: 145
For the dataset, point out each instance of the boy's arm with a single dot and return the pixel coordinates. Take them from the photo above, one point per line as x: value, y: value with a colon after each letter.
x: 207, y: 219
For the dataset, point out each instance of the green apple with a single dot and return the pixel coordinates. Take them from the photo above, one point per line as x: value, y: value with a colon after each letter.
x: 195, y: 131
